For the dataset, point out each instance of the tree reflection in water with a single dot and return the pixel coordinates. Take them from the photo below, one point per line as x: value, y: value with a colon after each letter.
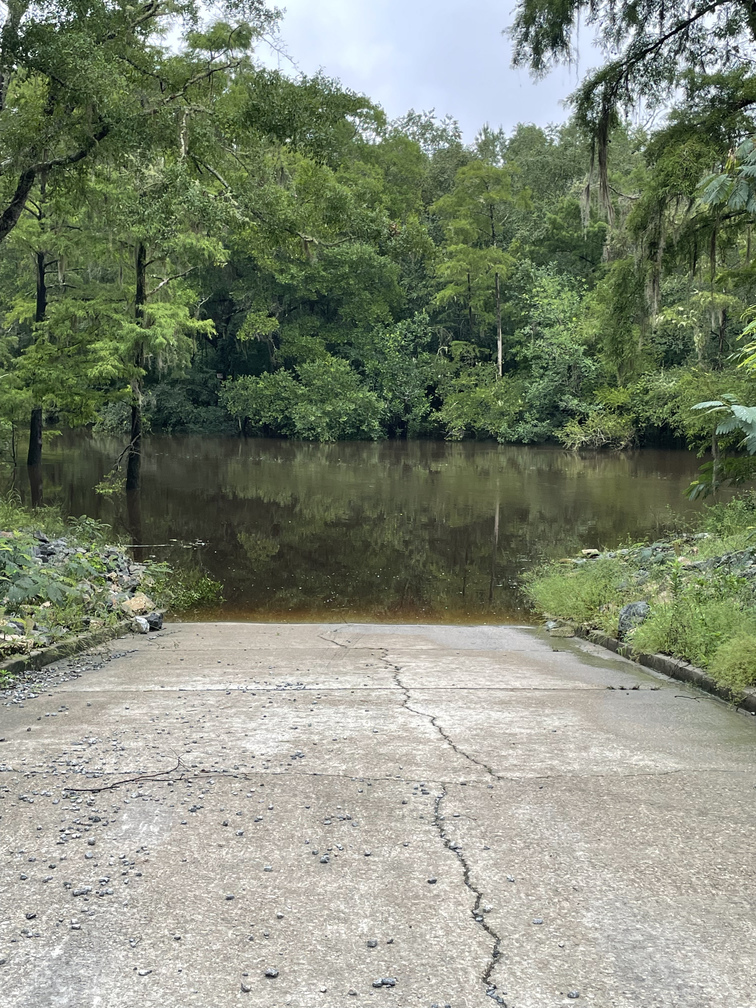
x: 429, y: 531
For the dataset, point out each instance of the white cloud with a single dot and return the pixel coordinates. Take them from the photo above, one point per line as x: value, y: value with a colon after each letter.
x: 424, y: 54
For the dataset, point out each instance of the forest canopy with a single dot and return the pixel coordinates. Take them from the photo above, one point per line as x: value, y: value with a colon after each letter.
x: 193, y: 242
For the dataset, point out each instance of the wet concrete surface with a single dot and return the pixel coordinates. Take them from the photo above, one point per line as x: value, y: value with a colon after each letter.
x: 328, y: 815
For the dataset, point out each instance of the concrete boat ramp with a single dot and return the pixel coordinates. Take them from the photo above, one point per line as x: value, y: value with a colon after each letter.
x: 319, y: 816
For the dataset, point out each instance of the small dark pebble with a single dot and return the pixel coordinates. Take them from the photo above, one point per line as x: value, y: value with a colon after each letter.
x: 573, y: 994
x: 432, y: 881
x: 372, y: 943
x: 272, y: 973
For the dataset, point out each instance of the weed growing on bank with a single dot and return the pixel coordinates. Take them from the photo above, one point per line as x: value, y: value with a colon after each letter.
x: 60, y: 577
x: 183, y: 590
x: 700, y: 587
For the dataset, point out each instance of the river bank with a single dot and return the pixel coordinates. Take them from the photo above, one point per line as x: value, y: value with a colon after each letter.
x: 691, y: 596
x: 64, y: 581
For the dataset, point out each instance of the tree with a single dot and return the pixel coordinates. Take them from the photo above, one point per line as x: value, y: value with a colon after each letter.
x: 49, y: 319
x: 652, y: 44
x: 477, y: 220
x: 159, y: 220
x: 79, y: 82
x: 728, y: 468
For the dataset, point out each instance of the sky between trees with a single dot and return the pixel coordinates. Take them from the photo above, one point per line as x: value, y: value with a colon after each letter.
x: 427, y: 54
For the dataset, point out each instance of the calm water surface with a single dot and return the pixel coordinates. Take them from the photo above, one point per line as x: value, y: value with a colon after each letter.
x: 418, y: 531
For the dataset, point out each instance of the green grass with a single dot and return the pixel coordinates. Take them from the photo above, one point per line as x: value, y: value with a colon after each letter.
x: 705, y: 616
x: 734, y: 662
x: 592, y: 593
x: 693, y: 630
x: 41, y: 603
x: 14, y: 517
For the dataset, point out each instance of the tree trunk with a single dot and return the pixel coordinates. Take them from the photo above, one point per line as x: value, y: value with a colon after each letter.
x: 134, y: 522
x: 35, y: 484
x: 34, y: 457
x: 722, y: 336
x: 40, y: 263
x: 499, y: 347
x: 494, y: 548
x: 134, y: 457
x: 469, y: 309
x: 35, y: 437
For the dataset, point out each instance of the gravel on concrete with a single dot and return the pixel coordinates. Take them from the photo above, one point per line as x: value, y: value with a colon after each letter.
x: 312, y: 815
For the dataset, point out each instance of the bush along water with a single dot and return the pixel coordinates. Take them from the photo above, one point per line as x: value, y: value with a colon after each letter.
x: 59, y: 578
x: 691, y: 596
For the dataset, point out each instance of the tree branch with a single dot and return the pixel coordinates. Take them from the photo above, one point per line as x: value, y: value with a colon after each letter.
x: 15, y: 207
x: 176, y: 276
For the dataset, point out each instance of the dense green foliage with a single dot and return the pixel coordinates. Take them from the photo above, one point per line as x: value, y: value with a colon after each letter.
x: 192, y: 242
x: 57, y: 582
x: 701, y: 588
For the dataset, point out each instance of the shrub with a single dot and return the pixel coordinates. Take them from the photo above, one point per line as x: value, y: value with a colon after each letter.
x: 14, y: 516
x: 114, y: 419
x: 734, y: 662
x: 327, y: 401
x: 600, y: 429
x: 734, y: 517
x: 477, y: 403
x: 334, y: 405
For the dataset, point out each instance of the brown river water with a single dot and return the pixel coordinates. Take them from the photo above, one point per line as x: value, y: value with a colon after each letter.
x: 422, y: 531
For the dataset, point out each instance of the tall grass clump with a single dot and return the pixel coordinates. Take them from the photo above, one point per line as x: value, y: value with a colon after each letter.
x: 700, y: 586
x: 591, y: 593
x: 693, y: 629
x: 14, y: 517
x: 734, y: 662
x: 733, y: 518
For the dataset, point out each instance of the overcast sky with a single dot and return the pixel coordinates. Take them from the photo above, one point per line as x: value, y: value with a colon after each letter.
x: 425, y: 54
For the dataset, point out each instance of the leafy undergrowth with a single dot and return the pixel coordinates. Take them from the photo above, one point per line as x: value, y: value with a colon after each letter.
x: 700, y: 586
x: 60, y: 577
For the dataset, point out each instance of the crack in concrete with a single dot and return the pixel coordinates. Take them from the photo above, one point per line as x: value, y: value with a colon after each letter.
x: 432, y: 719
x: 477, y: 911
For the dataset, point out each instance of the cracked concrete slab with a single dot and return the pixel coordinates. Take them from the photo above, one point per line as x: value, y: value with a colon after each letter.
x: 464, y: 816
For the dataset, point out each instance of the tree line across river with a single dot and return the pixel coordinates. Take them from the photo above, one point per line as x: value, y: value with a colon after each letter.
x: 193, y: 242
